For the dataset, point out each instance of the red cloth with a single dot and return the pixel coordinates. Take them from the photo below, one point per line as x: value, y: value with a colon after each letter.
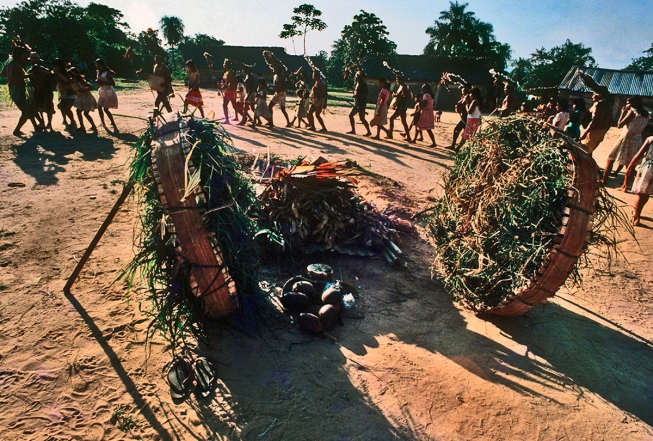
x: 229, y: 95
x: 194, y: 98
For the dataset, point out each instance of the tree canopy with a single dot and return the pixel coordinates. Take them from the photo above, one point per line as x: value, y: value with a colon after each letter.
x: 63, y: 29
x: 366, y: 37
x: 172, y: 29
x: 306, y: 19
x: 459, y: 33
x: 547, y: 68
x: 643, y: 63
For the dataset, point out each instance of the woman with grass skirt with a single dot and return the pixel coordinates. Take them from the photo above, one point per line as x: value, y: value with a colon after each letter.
x: 84, y: 100
x: 643, y: 185
x: 194, y: 96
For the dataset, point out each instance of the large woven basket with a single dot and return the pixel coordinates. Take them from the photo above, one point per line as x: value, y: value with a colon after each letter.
x: 570, y: 243
x: 195, y: 246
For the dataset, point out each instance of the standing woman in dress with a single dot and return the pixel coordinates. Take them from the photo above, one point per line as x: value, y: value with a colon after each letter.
x: 381, y: 111
x: 107, y: 98
x: 193, y: 97
x: 426, y: 118
x: 84, y: 99
x: 473, y: 113
x: 633, y: 119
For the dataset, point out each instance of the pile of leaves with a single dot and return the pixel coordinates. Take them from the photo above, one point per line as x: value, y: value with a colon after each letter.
x: 229, y: 198
x: 502, y: 209
x: 317, y: 207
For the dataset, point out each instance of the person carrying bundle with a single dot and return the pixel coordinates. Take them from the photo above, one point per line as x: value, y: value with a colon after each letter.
x: 601, y: 112
x: 164, y: 89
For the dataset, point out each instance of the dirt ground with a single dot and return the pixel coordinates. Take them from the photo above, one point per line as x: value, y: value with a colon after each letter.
x: 414, y: 367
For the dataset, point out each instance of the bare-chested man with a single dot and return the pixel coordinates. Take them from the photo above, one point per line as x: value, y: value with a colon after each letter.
x: 230, y: 86
x: 163, y: 71
x: 360, y: 103
x: 279, y: 84
x: 319, y: 96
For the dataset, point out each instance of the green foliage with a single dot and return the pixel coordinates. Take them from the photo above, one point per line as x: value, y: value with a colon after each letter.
x: 643, y: 63
x: 366, y: 37
x: 150, y: 40
x: 306, y: 19
x: 123, y: 420
x: 175, y: 310
x: 547, y: 68
x: 458, y: 33
x: 63, y: 29
x: 193, y: 48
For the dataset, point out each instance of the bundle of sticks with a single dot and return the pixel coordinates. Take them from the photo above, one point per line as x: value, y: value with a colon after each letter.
x: 316, y: 207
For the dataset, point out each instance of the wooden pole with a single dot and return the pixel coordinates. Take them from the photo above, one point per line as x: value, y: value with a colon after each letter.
x: 78, y: 269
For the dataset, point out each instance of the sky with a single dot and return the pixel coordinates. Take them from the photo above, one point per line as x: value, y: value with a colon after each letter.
x: 617, y: 32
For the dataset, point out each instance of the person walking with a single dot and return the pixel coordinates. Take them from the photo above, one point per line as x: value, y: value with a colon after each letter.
x: 15, y: 73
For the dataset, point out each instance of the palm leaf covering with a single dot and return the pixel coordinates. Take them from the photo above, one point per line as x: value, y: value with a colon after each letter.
x: 229, y: 196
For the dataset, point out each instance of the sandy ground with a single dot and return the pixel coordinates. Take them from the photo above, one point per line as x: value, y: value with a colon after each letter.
x: 415, y: 367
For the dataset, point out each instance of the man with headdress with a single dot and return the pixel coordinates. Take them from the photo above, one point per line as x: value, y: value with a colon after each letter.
x: 601, y: 112
x: 461, y: 109
x: 360, y: 103
x: 165, y: 88
x: 319, y: 96
x: 402, y: 96
x: 42, y: 81
x: 15, y: 73
x: 230, y: 86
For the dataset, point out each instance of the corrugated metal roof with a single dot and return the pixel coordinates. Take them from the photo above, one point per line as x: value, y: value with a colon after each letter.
x: 618, y: 82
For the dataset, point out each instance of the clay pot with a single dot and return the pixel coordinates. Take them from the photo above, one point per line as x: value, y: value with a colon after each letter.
x: 295, y: 301
x: 310, y: 323
x: 307, y: 288
x: 332, y: 296
x: 328, y: 316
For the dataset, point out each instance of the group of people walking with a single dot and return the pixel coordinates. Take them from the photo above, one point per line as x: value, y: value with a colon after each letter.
x: 36, y: 102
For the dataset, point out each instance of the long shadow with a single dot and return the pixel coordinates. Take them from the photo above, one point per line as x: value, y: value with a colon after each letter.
x: 390, y: 150
x: 44, y: 155
x: 138, y: 399
x: 579, y: 350
x: 605, y: 361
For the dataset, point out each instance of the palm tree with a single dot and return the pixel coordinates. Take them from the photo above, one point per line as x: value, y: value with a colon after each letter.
x: 458, y: 32
x: 172, y: 29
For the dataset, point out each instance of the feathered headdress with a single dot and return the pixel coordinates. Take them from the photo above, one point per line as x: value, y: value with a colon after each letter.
x: 501, y: 77
x: 356, y: 68
x: 452, y: 78
x: 274, y: 63
x: 397, y: 73
x: 209, y: 59
x: 18, y: 43
x: 129, y: 54
x: 314, y: 67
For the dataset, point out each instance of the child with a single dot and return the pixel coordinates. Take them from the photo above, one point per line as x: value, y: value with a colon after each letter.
x: 303, y: 104
x: 381, y: 113
x: 426, y: 120
x: 417, y: 111
x: 193, y: 97
x: 65, y: 92
x: 84, y: 99
x: 107, y: 98
x: 241, y: 94
x: 261, y: 105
